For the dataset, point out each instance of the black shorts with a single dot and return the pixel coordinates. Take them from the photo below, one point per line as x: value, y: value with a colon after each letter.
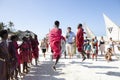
x: 43, y: 50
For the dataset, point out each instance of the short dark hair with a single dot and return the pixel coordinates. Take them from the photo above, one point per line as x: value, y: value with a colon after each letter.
x: 24, y: 38
x: 57, y: 23
x: 69, y: 28
x: 3, y: 32
x: 13, y: 37
x: 79, y: 25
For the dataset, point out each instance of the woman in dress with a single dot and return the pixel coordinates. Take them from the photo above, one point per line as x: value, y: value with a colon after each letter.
x: 102, y: 45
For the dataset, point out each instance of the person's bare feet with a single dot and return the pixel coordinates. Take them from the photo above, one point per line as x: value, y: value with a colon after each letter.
x: 83, y: 59
x: 54, y: 68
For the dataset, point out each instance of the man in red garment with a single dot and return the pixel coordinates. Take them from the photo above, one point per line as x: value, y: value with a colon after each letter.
x: 35, y: 48
x: 80, y: 41
x: 55, y: 42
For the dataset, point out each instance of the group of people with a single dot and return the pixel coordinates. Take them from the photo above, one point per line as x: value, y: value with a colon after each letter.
x: 56, y: 37
x: 12, y: 55
x: 73, y: 42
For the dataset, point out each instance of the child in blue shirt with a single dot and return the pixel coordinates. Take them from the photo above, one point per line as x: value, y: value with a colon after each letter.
x: 88, y: 49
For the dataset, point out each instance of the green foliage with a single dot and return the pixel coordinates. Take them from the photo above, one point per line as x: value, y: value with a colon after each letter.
x: 2, y: 25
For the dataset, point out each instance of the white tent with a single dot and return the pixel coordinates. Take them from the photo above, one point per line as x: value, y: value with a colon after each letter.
x: 112, y: 30
x: 89, y: 33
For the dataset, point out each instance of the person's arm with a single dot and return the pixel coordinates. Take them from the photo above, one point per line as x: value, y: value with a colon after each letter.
x: 67, y: 35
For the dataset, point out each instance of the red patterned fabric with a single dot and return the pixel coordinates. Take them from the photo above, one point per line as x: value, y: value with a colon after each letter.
x: 30, y: 50
x: 16, y: 49
x: 80, y: 39
x: 35, y: 48
x: 24, y: 52
x: 55, y: 41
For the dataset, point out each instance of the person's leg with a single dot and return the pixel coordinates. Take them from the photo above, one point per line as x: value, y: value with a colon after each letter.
x: 88, y: 55
x: 44, y: 54
x: 36, y: 59
x: 92, y: 56
x: 101, y: 52
x: 16, y: 73
x: 67, y: 53
x: 69, y: 50
x: 96, y: 56
x: 57, y: 59
x: 24, y: 66
x: 83, y: 55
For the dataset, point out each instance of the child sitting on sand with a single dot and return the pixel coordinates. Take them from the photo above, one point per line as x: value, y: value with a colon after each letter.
x: 108, y: 54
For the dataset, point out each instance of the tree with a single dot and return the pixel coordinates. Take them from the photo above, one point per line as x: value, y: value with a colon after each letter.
x: 10, y: 26
x: 2, y: 25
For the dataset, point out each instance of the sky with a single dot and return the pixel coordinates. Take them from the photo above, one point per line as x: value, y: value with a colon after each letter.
x: 39, y: 15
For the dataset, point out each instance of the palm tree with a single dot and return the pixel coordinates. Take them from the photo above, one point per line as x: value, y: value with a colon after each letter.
x: 10, y: 24
x: 2, y: 25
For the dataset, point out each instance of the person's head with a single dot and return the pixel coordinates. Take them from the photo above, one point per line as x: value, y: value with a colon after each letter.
x: 35, y: 36
x: 44, y: 39
x: 57, y: 23
x: 4, y: 34
x: 101, y: 37
x: 95, y: 37
x: 110, y: 38
x: 24, y: 39
x: 88, y: 42
x: 30, y: 37
x: 109, y: 50
x: 79, y: 26
x: 69, y: 29
x: 14, y: 38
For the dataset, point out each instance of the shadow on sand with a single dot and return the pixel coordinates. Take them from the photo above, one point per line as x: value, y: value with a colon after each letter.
x: 100, y: 67
x: 74, y: 62
x: 45, y: 72
x: 110, y: 73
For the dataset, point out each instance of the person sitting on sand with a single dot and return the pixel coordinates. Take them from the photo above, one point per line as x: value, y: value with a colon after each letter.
x: 108, y: 54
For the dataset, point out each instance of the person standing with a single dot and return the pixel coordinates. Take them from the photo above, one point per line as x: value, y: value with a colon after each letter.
x: 43, y: 47
x: 80, y: 41
x: 86, y: 40
x: 13, y: 56
x: 96, y: 44
x: 70, y: 36
x: 111, y: 45
x: 29, y: 42
x: 102, y: 45
x: 35, y: 48
x: 24, y: 52
x: 88, y: 49
x: 15, y: 44
x: 94, y: 49
x: 4, y: 56
x: 55, y: 42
